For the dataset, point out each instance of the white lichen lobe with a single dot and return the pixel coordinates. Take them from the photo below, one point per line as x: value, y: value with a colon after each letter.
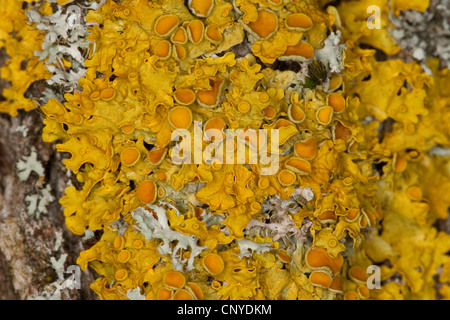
x: 173, y: 241
x: 29, y: 164
x: 38, y: 203
x: 332, y: 53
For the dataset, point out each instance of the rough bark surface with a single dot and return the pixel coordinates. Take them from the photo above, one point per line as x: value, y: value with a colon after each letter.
x: 35, y: 247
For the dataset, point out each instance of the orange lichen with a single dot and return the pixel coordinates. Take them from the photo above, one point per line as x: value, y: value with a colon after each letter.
x: 363, y: 292
x: 107, y: 94
x: 179, y: 36
x: 201, y: 8
x: 213, y: 263
x: 124, y: 256
x: 252, y: 139
x: 265, y: 25
x: 146, y: 191
x: 317, y: 258
x: 299, y: 21
x: 138, y: 244
x: 164, y: 294
x: 244, y: 107
x: 269, y: 112
x: 415, y: 193
x: 352, y: 214
x: 337, y: 102
x: 174, y: 279
x: 302, y: 51
x: 296, y: 114
x: 156, y: 155
x: 351, y: 295
x: 163, y: 50
x: 180, y: 117
x: 324, y: 115
x: 298, y: 165
x: 286, y: 177
x: 213, y: 34
x: 184, y: 96
x: 263, y: 183
x: 306, y: 149
x: 119, y: 242
x: 127, y: 129
x: 198, y: 293
x: 284, y: 256
x: 121, y: 275
x: 400, y: 164
x: 214, y: 129
x: 164, y: 25
x: 358, y: 274
x: 342, y: 132
x: 196, y: 30
x: 179, y: 52
x: 321, y: 279
x: 327, y: 216
x: 130, y: 156
x: 210, y: 98
x: 335, y: 82
x: 182, y: 294
x: 337, y: 284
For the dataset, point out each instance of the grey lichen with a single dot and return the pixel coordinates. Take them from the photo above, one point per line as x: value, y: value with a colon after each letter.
x: 158, y: 228
x: 423, y: 34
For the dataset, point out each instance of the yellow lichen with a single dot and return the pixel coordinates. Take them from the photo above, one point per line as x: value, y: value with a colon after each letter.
x: 359, y: 168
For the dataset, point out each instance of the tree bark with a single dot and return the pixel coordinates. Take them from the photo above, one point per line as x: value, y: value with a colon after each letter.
x: 32, y: 242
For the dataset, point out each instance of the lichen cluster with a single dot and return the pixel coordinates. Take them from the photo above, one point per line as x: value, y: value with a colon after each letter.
x: 363, y: 148
x: 18, y: 41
